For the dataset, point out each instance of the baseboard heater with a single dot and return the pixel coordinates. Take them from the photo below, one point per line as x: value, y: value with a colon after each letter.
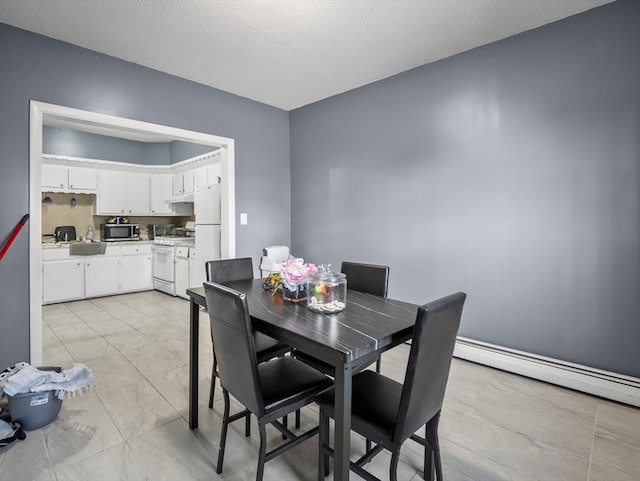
x: 609, y: 385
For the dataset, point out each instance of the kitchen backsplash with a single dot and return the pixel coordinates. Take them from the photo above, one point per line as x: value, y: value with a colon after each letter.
x: 61, y: 211
x: 77, y: 210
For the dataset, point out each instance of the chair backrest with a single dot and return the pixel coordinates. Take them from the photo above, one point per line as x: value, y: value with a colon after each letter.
x: 429, y: 363
x: 229, y: 270
x: 234, y: 345
x: 367, y: 278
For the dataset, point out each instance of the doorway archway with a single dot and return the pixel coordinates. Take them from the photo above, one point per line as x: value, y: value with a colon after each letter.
x: 40, y: 114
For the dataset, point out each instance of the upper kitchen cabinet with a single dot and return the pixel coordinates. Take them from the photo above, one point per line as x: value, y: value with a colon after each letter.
x: 183, y: 183
x: 208, y: 174
x: 123, y: 193
x: 161, y: 191
x: 111, y: 189
x: 137, y: 194
x: 59, y: 178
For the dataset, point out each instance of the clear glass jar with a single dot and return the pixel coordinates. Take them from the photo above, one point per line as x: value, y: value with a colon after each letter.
x: 327, y: 290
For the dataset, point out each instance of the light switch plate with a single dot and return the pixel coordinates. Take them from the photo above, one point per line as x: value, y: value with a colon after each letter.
x: 243, y: 218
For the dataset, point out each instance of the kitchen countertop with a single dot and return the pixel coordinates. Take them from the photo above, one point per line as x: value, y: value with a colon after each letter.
x: 61, y: 245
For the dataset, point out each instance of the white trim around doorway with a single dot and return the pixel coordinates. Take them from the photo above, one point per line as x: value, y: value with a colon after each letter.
x: 39, y: 112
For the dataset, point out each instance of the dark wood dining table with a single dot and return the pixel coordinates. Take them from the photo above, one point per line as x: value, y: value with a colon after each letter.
x: 348, y: 340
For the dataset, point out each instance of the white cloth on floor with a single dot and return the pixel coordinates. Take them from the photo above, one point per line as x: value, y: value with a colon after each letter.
x: 78, y: 379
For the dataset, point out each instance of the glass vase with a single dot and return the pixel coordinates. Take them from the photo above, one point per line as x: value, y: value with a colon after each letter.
x: 298, y: 295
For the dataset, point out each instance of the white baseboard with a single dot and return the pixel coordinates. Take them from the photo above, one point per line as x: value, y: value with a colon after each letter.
x: 609, y: 385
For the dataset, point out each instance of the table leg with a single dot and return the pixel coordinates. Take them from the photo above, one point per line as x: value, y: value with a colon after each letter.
x: 342, y: 442
x: 194, y: 334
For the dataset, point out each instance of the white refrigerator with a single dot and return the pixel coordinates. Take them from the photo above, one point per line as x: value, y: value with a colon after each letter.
x: 206, y: 206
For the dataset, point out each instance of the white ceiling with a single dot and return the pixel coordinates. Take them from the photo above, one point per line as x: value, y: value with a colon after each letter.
x: 285, y: 53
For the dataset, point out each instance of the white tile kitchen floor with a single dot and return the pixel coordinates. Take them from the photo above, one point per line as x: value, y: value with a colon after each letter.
x: 494, y: 425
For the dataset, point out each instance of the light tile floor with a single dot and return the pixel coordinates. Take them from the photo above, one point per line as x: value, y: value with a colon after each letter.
x: 494, y: 426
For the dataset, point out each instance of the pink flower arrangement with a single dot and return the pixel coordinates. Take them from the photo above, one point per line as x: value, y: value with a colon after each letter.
x: 295, y: 273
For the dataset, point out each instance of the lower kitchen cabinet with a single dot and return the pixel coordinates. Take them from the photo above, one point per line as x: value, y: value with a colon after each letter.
x: 182, y: 271
x: 123, y: 268
x: 101, y: 276
x: 62, y: 281
x: 136, y: 268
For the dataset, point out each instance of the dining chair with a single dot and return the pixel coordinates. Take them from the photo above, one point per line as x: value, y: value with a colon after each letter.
x: 268, y: 390
x: 368, y: 278
x: 387, y: 412
x: 229, y: 270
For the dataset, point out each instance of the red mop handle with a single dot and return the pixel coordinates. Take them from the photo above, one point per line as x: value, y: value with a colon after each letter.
x: 14, y: 234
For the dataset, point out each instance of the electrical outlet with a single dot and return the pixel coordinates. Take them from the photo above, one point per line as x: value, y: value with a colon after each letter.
x: 243, y: 218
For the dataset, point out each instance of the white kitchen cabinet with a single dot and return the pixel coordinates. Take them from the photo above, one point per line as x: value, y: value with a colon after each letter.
x: 62, y: 280
x: 208, y: 174
x: 123, y: 193
x: 196, y: 276
x: 102, y: 276
x: 200, y: 177
x: 161, y: 190
x: 111, y: 191
x: 54, y: 176
x: 124, y: 267
x: 183, y: 183
x: 182, y: 271
x: 136, y: 268
x: 137, y: 194
x: 58, y: 178
x: 83, y: 179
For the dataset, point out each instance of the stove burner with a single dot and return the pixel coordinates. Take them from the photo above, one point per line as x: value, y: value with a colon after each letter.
x: 172, y: 241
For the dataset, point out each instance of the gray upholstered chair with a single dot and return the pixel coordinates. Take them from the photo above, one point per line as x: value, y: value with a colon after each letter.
x: 387, y: 412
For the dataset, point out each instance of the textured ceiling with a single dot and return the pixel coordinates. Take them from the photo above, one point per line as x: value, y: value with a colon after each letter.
x: 285, y: 53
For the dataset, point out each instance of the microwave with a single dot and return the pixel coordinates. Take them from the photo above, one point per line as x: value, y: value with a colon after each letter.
x: 120, y: 232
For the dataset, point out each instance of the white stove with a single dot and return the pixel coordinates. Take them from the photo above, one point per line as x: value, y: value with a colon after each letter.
x: 173, y: 241
x: 170, y: 264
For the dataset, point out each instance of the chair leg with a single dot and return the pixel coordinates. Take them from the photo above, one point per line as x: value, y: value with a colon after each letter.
x: 432, y: 462
x: 378, y: 365
x: 393, y: 467
x: 297, y: 419
x: 214, y: 374
x: 323, y: 440
x: 285, y: 423
x: 247, y: 425
x: 427, y: 470
x: 223, y: 433
x: 263, y: 451
x: 438, y: 462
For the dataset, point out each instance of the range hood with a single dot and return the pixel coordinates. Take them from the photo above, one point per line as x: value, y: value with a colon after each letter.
x: 177, y: 199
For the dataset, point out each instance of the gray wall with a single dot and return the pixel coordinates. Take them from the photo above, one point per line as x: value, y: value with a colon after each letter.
x: 510, y: 172
x: 73, y: 143
x: 185, y: 150
x: 38, y: 68
x: 59, y: 141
